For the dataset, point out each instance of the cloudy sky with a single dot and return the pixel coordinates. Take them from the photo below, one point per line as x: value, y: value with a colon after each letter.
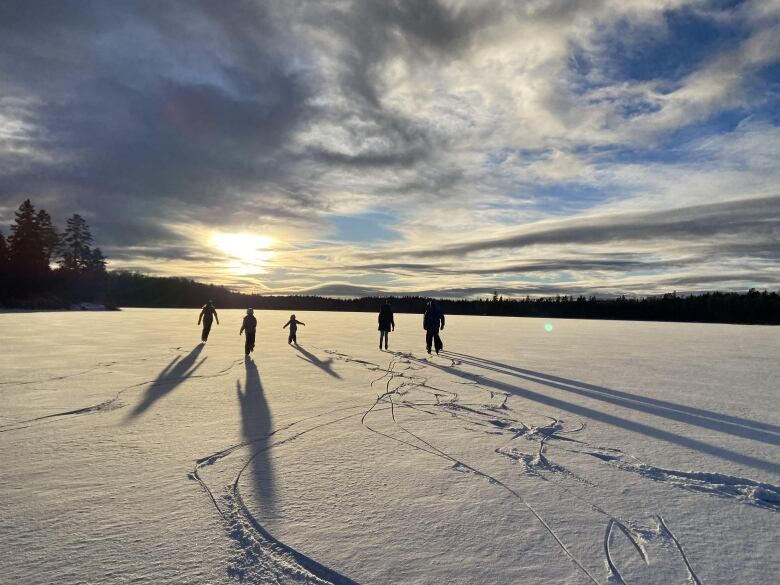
x: 448, y: 147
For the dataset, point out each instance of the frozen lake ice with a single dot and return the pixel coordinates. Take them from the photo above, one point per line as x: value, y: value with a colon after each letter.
x: 533, y: 451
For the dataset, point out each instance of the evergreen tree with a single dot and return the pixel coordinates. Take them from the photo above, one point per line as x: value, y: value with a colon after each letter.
x: 97, y: 262
x: 26, y: 243
x: 75, y: 251
x: 50, y: 239
x: 3, y: 252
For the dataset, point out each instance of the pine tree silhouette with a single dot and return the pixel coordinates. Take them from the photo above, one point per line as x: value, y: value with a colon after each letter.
x: 26, y: 243
x: 50, y: 239
x: 97, y: 262
x: 75, y: 253
x: 3, y: 253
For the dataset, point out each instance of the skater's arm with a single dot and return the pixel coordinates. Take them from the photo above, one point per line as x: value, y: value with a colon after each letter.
x: 392, y: 322
x: 285, y: 325
x: 200, y: 317
x: 301, y: 323
x: 243, y: 326
x: 442, y: 320
x: 216, y: 318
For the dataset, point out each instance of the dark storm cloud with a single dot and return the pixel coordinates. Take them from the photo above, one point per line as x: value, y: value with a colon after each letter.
x: 145, y: 111
x: 367, y: 159
x: 376, y: 30
x: 751, y: 218
x: 372, y: 33
x: 142, y: 113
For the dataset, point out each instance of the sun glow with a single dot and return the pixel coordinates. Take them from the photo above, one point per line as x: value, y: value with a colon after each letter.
x: 247, y: 252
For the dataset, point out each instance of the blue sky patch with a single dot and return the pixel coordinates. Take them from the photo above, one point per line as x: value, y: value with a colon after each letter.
x: 363, y: 227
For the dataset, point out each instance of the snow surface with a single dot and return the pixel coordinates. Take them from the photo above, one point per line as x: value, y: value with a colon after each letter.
x: 597, y: 452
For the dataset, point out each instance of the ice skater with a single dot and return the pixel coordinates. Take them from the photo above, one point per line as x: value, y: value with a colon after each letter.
x: 386, y: 323
x: 207, y: 314
x: 433, y: 320
x: 249, y: 326
x: 293, y: 323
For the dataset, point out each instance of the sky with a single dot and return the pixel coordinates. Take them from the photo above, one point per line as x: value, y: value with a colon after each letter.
x: 448, y: 148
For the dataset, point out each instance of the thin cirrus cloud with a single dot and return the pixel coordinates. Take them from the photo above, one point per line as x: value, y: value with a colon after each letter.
x: 434, y: 147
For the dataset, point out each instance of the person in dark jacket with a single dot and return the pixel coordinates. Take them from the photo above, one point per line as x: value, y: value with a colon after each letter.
x: 433, y: 320
x: 250, y: 327
x: 293, y: 323
x: 386, y: 323
x: 207, y: 314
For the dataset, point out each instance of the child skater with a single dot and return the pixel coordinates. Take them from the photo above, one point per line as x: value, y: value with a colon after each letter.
x: 293, y: 323
x: 250, y: 326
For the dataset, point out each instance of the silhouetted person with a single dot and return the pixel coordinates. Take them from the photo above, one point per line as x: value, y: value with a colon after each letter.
x: 207, y: 314
x: 386, y: 323
x: 249, y: 326
x: 433, y: 320
x: 293, y: 323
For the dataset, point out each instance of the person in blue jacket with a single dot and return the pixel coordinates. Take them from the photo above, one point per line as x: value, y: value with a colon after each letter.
x: 433, y: 321
x: 386, y: 323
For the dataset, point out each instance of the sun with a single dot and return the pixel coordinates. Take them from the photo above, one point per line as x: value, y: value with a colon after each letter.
x: 247, y: 252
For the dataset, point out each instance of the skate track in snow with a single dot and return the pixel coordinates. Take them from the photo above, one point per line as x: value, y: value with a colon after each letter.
x: 406, y: 385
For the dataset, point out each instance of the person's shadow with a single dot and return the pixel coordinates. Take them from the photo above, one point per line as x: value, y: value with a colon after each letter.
x: 325, y: 365
x: 654, y: 429
x: 256, y: 425
x: 176, y: 372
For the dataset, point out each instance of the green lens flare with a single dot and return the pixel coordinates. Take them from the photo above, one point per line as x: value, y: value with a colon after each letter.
x: 548, y: 327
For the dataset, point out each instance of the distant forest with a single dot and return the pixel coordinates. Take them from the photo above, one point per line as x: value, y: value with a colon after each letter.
x: 43, y: 268
x: 135, y: 290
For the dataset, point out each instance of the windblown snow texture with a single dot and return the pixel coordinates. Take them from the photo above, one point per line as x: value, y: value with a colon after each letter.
x: 602, y: 453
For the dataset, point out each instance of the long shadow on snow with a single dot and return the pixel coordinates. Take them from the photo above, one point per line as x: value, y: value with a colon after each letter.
x: 176, y: 372
x: 607, y: 418
x: 749, y: 429
x: 325, y: 365
x: 256, y: 427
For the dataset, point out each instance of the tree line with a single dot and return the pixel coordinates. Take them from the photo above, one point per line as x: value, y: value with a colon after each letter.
x: 43, y: 267
x: 755, y: 307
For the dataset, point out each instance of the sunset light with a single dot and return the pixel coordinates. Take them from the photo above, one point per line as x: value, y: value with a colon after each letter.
x: 248, y: 252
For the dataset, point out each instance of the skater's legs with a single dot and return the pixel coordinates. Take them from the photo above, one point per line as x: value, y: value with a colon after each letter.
x: 206, y: 329
x: 429, y: 333
x: 383, y: 335
x: 438, y: 342
x: 249, y: 345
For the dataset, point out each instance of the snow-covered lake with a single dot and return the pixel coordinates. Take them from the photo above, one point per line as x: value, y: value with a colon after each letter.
x: 584, y: 452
